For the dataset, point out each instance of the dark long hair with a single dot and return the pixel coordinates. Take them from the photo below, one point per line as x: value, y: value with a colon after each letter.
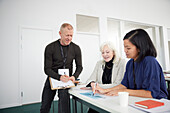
x: 142, y: 41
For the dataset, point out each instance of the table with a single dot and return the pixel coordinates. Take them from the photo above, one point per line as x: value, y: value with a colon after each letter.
x: 107, y: 105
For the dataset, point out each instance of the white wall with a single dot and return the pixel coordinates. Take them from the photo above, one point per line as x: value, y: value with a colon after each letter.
x: 51, y: 14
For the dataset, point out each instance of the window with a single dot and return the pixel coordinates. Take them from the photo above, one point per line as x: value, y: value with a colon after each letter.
x: 87, y: 24
x: 168, y: 31
x: 118, y: 28
x: 88, y: 38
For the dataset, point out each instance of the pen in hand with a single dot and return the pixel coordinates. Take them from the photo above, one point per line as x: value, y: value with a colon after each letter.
x: 94, y: 89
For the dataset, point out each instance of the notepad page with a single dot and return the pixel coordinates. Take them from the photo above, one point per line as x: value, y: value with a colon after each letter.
x: 57, y: 83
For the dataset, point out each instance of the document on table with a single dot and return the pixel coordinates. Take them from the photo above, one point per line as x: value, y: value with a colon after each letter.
x: 161, y: 109
x: 90, y: 94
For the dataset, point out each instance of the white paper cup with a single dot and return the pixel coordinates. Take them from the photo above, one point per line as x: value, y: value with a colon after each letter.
x: 123, y: 98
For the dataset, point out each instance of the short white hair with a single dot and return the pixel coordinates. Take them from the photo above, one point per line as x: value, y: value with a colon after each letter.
x: 111, y: 46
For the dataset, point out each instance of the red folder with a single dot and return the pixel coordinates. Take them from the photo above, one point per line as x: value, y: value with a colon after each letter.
x: 149, y: 104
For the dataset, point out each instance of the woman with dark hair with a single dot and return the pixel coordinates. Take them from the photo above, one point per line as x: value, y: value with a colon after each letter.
x: 144, y: 76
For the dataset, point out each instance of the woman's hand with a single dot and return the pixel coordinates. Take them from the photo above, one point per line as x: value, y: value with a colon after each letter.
x: 114, y: 92
x: 85, y: 88
x: 100, y: 90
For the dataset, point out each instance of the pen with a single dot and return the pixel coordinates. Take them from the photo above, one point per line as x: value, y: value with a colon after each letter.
x: 94, y: 89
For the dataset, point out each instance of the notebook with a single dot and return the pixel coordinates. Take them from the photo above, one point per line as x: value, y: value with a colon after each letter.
x: 149, y: 104
x: 56, y: 84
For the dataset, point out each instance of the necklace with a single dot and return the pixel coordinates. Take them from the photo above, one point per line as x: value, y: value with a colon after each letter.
x: 108, y: 67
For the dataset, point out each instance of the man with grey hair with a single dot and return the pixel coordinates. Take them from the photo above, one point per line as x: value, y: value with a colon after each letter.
x: 60, y: 55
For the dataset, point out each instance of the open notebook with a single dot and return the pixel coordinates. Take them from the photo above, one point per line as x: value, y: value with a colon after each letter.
x: 56, y: 84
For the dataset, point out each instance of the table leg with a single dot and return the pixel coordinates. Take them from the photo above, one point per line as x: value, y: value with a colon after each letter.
x: 81, y: 108
x: 74, y: 105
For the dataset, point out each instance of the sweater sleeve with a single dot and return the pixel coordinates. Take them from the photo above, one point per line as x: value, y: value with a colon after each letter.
x: 125, y: 81
x: 153, y: 76
x: 94, y: 74
x: 120, y: 72
x: 78, y: 61
x: 48, y: 61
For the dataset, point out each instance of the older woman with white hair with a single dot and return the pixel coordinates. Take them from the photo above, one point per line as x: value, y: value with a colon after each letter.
x: 109, y: 71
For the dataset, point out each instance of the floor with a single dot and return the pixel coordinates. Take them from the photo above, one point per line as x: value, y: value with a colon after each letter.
x: 35, y: 108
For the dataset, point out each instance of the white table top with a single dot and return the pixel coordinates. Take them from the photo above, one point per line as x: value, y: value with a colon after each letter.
x: 110, y: 103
